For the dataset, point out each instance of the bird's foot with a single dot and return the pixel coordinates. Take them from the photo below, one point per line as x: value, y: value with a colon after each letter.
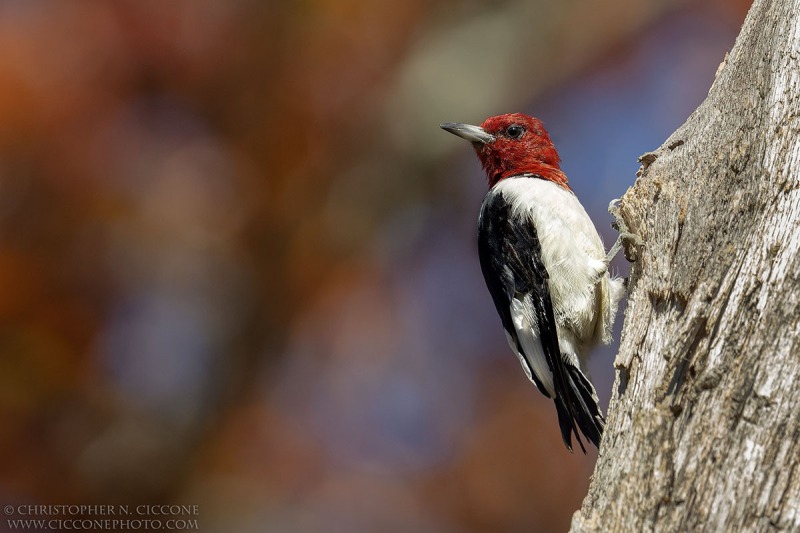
x: 629, y: 240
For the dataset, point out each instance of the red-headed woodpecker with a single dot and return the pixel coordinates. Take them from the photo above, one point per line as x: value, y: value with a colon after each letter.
x: 544, y: 265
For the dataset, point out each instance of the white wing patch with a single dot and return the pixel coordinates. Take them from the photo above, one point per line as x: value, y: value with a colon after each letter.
x: 513, y: 344
x: 528, y: 334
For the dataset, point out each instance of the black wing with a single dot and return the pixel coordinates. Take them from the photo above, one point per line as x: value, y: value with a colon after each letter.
x: 511, y: 261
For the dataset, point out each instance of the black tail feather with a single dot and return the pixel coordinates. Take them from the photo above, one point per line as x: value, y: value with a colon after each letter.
x: 578, y: 408
x: 567, y: 425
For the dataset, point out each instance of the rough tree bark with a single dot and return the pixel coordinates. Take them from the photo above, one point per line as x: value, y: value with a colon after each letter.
x: 703, y: 431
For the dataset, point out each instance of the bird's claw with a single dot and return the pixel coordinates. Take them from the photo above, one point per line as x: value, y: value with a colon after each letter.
x: 630, y: 240
x: 613, y: 210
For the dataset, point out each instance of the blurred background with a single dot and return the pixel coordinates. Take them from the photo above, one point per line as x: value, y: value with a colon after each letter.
x: 237, y: 254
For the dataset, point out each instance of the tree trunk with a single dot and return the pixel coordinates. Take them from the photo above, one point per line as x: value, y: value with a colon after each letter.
x: 703, y: 431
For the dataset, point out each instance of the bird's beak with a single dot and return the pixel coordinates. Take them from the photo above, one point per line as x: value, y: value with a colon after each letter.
x: 474, y: 134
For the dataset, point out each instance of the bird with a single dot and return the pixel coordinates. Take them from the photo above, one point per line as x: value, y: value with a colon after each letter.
x: 545, y: 266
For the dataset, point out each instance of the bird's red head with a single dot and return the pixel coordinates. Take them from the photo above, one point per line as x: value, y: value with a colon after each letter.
x: 512, y: 144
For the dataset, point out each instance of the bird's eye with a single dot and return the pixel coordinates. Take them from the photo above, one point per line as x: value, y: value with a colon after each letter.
x: 515, y: 131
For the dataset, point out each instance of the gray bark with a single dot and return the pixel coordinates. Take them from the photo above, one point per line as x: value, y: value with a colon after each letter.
x: 703, y: 432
